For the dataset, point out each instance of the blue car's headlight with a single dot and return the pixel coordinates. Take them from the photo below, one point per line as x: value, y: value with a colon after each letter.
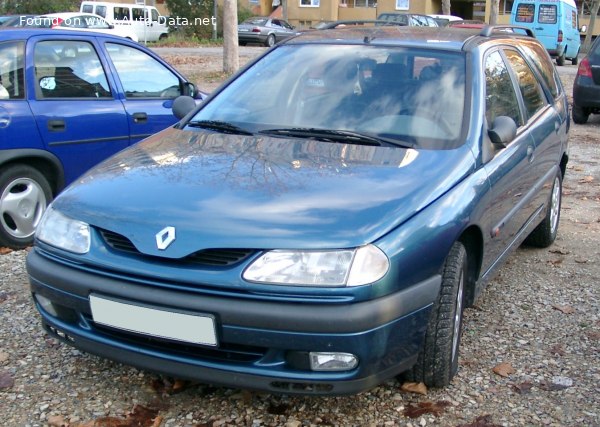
x: 63, y: 232
x: 346, y: 267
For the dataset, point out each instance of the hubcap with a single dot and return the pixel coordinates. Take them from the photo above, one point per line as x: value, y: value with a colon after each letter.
x: 555, y: 206
x: 458, y: 315
x: 21, y: 207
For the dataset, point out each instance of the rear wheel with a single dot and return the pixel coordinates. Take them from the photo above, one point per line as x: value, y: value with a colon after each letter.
x: 270, y: 40
x: 24, y: 196
x: 437, y: 362
x: 575, y: 59
x: 580, y: 115
x: 545, y: 233
x: 560, y: 60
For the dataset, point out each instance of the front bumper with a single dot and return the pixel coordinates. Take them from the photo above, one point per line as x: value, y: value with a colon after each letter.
x: 261, y: 343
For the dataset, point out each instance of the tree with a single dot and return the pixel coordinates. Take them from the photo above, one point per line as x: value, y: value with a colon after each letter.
x: 191, y: 13
x: 446, y: 7
x: 231, y: 60
x: 590, y: 31
x: 37, y: 7
x: 494, y: 12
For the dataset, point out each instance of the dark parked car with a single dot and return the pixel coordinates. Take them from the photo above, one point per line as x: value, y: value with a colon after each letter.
x: 327, y: 237
x: 67, y: 101
x: 586, y: 88
x: 408, y: 19
x: 264, y: 30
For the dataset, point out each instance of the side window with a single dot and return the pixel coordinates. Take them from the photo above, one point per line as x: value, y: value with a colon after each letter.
x: 87, y: 8
x: 547, y: 14
x: 542, y: 61
x: 68, y: 69
x: 141, y: 75
x: 154, y: 15
x: 101, y: 10
x: 121, y: 14
x: 525, y: 13
x: 531, y: 90
x: 12, y: 85
x: 500, y: 96
x: 137, y: 14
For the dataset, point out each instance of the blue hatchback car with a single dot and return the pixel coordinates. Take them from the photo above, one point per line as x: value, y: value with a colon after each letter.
x: 67, y: 101
x: 326, y: 238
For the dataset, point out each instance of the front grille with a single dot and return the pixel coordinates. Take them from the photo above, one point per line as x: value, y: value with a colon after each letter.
x: 207, y: 257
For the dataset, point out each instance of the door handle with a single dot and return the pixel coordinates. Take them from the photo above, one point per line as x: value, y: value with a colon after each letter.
x: 56, y: 125
x: 140, y: 117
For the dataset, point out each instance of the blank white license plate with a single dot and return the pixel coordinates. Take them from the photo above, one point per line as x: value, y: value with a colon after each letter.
x: 197, y: 329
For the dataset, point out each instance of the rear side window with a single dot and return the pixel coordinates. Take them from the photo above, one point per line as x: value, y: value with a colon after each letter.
x: 525, y: 13
x: 547, y: 14
x: 12, y: 85
x: 540, y: 58
x: 87, y: 8
x: 121, y: 13
x: 101, y: 10
x: 532, y: 93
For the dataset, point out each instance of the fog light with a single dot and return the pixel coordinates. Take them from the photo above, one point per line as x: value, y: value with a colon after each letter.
x: 332, y: 361
x: 46, y: 304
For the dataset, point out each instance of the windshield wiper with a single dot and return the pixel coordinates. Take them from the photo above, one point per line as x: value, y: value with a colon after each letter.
x: 345, y: 136
x: 219, y: 126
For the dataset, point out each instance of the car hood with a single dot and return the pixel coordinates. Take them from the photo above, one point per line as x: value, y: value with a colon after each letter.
x: 230, y: 191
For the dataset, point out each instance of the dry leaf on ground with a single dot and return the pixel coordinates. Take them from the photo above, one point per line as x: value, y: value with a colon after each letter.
x: 504, y: 369
x: 565, y: 309
x: 418, y: 388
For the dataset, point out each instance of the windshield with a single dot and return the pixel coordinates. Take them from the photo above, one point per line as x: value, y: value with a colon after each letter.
x: 407, y: 94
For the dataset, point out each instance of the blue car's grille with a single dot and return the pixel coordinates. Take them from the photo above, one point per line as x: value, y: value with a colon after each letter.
x: 210, y: 257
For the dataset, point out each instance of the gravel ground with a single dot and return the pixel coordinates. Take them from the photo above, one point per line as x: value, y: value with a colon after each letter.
x: 530, y: 352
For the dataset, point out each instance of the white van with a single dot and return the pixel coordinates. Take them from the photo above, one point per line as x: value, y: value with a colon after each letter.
x: 145, y: 21
x: 554, y: 23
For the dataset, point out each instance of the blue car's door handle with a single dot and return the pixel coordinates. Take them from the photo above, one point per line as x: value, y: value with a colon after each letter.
x: 140, y: 117
x: 56, y: 125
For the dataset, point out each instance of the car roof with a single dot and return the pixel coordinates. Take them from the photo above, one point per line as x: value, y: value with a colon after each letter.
x: 23, y: 33
x: 447, y: 38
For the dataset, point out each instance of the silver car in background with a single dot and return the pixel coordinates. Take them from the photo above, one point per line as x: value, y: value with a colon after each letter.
x: 264, y: 30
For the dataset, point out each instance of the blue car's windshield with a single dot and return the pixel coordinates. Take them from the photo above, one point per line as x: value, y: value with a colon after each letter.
x: 408, y: 94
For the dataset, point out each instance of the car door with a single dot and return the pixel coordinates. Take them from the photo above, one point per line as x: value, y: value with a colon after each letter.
x: 74, y: 102
x: 148, y: 87
x: 510, y: 172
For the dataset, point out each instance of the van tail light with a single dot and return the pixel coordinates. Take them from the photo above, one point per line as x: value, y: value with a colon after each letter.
x: 584, y: 69
x: 256, y: 30
x: 56, y: 22
x: 560, y: 36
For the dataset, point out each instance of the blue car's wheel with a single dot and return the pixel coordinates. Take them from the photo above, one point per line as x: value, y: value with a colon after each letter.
x: 438, y: 360
x: 545, y: 233
x: 24, y: 196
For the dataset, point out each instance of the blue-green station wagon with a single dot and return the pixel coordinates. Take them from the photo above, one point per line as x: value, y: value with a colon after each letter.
x: 321, y: 221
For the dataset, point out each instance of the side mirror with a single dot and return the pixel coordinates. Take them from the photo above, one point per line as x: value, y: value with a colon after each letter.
x: 48, y: 83
x: 583, y: 29
x: 503, y: 131
x: 111, y: 27
x: 189, y: 89
x: 182, y: 105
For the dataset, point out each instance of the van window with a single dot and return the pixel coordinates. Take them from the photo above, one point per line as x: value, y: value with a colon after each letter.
x: 87, y: 8
x: 525, y: 13
x: 573, y: 19
x: 101, y: 10
x: 121, y: 13
x: 547, y: 14
x: 138, y: 13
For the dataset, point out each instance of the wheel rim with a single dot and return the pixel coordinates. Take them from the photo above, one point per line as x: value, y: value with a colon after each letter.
x: 458, y: 315
x: 555, y: 206
x: 21, y: 207
x: 271, y: 40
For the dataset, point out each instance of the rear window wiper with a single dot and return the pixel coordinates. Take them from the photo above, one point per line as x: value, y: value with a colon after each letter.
x: 345, y: 136
x: 219, y: 126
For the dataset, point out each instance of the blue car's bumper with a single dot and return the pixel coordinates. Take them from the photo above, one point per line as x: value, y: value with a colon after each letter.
x: 262, y: 344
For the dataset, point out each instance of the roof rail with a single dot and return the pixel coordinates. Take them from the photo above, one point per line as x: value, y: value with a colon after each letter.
x: 488, y: 30
x: 360, y: 22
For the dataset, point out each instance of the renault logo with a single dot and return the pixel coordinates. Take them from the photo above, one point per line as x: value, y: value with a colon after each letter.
x: 165, y: 237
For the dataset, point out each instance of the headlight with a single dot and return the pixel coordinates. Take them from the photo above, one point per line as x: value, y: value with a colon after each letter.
x: 63, y: 232
x: 347, y: 267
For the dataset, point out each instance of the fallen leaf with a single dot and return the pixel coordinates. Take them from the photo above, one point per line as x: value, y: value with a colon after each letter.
x: 558, y: 350
x: 6, y: 380
x: 523, y: 388
x: 504, y: 369
x: 559, y: 251
x: 418, y: 388
x: 422, y: 408
x: 140, y: 416
x: 5, y: 251
x: 166, y: 386
x: 581, y: 261
x: 555, y: 261
x: 565, y: 309
x: 481, y: 421
x: 593, y: 335
x: 3, y: 357
x: 586, y: 179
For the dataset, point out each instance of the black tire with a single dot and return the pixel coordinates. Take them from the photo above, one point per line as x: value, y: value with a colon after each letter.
x: 437, y: 362
x: 163, y: 36
x: 545, y: 233
x: 270, y: 40
x: 580, y: 115
x: 560, y: 60
x: 575, y: 59
x: 26, y: 187
x: 243, y: 43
